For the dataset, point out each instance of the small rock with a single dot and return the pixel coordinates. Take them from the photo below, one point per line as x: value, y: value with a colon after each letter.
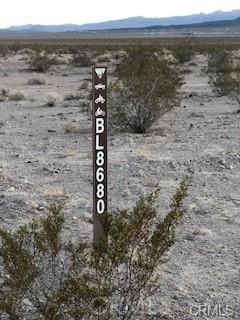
x: 40, y: 208
x: 11, y: 189
x: 222, y: 162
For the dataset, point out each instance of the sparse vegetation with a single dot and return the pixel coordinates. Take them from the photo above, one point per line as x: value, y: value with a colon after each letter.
x: 46, y: 279
x: 81, y: 59
x: 84, y: 86
x: 69, y: 128
x: 183, y: 53
x: 11, y: 95
x: 53, y: 99
x: 4, y: 93
x: 147, y: 88
x: 36, y: 81
x: 16, y: 96
x: 41, y: 62
x: 222, y: 74
x: 104, y: 59
x: 71, y: 96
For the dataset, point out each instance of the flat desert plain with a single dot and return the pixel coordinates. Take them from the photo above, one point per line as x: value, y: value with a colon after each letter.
x: 46, y: 157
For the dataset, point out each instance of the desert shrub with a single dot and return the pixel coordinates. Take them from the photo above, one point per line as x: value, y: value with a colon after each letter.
x: 223, y: 83
x: 3, y: 94
x: 147, y: 87
x: 220, y: 62
x: 118, y: 55
x: 41, y: 62
x: 16, y: 96
x: 222, y: 74
x: 36, y: 81
x: 84, y: 86
x: 183, y: 53
x: 192, y: 64
x: 71, y: 96
x: 80, y: 59
x: 104, y: 59
x: 237, y: 68
x: 11, y: 95
x: 69, y: 128
x: 45, y: 278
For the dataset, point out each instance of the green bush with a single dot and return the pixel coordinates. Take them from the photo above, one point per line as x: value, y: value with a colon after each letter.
x: 41, y: 62
x: 147, y: 87
x: 183, y: 53
x: 220, y: 62
x: 222, y: 74
x: 45, y: 278
x: 81, y: 59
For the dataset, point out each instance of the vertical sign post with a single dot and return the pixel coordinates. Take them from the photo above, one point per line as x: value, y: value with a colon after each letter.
x: 99, y: 150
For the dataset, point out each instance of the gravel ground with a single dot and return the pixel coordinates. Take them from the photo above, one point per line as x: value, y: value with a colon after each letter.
x: 40, y: 163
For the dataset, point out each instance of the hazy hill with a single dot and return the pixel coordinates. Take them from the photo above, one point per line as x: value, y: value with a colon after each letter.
x: 133, y: 22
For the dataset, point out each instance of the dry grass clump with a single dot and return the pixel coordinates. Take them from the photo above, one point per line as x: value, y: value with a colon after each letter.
x: 53, y: 99
x: 11, y: 95
x: 16, y: 96
x: 69, y: 128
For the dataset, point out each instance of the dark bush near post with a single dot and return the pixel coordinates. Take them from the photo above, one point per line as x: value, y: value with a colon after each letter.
x: 147, y: 88
x: 44, y: 278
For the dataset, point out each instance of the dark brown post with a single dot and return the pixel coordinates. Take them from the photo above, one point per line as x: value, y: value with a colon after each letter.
x: 99, y: 150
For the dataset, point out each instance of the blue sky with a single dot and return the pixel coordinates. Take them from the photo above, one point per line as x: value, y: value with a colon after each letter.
x: 18, y: 12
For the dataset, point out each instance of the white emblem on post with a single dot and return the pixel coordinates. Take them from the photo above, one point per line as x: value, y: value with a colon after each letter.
x: 100, y: 86
x: 100, y: 99
x: 100, y: 112
x: 100, y: 72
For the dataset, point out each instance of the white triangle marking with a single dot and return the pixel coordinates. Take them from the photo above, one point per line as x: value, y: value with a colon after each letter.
x: 100, y: 72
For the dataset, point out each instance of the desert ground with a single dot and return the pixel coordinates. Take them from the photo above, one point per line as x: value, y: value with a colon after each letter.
x: 46, y: 157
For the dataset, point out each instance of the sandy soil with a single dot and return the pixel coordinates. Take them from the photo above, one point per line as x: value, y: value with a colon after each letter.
x: 40, y: 163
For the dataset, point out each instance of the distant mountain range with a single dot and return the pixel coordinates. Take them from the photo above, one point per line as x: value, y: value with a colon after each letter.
x: 204, y: 25
x: 130, y: 23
